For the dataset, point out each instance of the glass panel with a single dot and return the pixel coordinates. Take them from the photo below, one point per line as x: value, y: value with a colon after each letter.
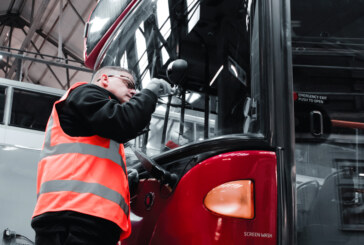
x: 328, y: 72
x: 101, y: 19
x: 31, y: 109
x: 218, y: 95
x: 2, y: 103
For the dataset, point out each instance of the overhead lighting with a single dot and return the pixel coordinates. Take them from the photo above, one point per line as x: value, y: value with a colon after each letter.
x: 361, y: 174
x: 216, y: 75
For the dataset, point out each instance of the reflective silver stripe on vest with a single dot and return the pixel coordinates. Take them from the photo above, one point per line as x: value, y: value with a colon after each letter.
x: 111, y: 153
x: 84, y: 187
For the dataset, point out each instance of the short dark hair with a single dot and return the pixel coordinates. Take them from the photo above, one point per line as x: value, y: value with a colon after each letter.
x: 107, y: 69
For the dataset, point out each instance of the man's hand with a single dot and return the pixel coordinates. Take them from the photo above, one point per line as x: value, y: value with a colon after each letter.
x: 159, y: 87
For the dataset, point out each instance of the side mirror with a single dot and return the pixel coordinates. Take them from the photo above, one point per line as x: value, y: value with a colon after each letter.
x: 176, y: 71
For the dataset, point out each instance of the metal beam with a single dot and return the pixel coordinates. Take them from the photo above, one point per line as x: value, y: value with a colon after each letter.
x: 66, y: 51
x: 33, y: 28
x: 32, y: 13
x: 18, y: 56
x: 46, y: 20
x: 60, y: 23
x: 3, y: 65
x: 8, y: 58
x: 18, y: 74
x: 68, y: 75
x: 54, y: 43
x: 73, y: 75
x: 38, y: 53
x: 2, y: 34
x: 21, y: 6
x: 11, y: 5
x: 77, y: 13
x: 55, y: 23
x: 48, y: 66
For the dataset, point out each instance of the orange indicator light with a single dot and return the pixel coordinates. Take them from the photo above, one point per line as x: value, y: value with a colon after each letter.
x: 233, y: 199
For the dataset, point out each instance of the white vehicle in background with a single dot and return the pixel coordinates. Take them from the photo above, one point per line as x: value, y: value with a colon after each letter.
x: 24, y: 111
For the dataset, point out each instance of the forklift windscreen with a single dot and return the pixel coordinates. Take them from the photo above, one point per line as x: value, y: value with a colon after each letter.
x: 217, y: 93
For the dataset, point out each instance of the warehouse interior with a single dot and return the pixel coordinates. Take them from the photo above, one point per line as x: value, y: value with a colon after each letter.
x: 41, y: 41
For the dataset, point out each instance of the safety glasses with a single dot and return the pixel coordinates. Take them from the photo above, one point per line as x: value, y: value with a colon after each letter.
x: 126, y: 80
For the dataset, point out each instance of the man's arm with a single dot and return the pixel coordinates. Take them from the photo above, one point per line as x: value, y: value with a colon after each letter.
x: 91, y: 110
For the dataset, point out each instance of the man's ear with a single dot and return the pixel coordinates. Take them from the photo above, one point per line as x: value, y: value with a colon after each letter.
x: 104, y: 80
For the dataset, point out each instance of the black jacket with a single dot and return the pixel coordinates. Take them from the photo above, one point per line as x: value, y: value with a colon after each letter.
x: 92, y: 110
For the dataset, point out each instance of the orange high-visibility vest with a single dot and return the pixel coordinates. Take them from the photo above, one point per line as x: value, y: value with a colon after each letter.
x: 82, y: 174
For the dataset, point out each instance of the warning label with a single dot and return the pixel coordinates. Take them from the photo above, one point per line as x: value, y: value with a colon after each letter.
x: 312, y: 98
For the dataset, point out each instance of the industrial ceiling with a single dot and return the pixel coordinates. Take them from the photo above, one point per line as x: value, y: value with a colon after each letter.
x: 41, y: 41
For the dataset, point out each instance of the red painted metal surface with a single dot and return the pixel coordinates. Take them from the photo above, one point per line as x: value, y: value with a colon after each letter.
x: 181, y: 218
x: 144, y: 223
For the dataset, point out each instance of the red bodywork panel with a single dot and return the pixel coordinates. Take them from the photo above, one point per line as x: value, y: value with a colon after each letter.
x: 181, y: 217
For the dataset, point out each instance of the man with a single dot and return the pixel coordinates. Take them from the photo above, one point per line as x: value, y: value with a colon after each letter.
x: 82, y: 186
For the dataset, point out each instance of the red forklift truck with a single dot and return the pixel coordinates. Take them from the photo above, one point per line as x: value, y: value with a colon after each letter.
x: 206, y: 168
x: 261, y: 141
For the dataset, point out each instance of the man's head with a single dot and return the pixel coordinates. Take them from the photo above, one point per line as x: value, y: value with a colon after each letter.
x: 117, y: 80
